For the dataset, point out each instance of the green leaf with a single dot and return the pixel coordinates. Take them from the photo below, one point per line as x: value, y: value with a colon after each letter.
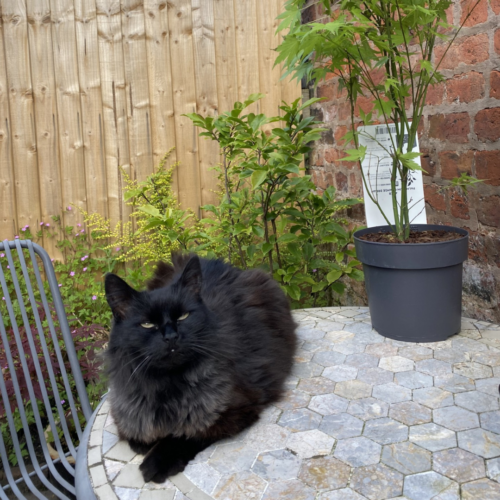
x: 339, y: 257
x: 338, y: 287
x: 318, y: 287
x: 293, y: 291
x: 333, y: 276
x: 150, y: 210
x: 266, y: 247
x: 258, y: 177
x: 258, y: 231
x: 357, y: 275
x: 287, y: 238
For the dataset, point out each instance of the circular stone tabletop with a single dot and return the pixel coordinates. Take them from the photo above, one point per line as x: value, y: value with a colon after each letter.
x: 364, y: 418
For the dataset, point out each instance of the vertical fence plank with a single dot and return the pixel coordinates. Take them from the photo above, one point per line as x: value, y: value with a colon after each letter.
x: 206, y: 93
x: 137, y: 88
x: 8, y: 211
x: 22, y: 122
x: 160, y: 81
x: 90, y: 96
x: 114, y: 105
x: 180, y: 25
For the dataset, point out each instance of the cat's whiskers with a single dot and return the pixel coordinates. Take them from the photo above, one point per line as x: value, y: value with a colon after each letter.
x: 138, y: 366
x: 204, y: 350
x: 133, y: 359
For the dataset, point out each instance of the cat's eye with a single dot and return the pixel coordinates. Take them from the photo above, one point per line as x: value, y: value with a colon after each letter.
x: 184, y: 316
x: 148, y: 325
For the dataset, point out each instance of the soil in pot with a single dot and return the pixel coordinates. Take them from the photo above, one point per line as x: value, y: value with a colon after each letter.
x: 431, y: 236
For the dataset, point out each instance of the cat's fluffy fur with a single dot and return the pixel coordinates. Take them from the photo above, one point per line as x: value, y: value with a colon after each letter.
x: 181, y: 384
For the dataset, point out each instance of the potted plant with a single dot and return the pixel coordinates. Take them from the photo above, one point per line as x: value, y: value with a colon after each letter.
x: 383, y: 49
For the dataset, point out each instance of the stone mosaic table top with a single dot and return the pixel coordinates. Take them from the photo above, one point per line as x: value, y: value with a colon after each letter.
x: 364, y: 418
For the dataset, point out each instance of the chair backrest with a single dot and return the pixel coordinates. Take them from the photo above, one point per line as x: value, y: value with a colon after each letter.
x: 41, y: 385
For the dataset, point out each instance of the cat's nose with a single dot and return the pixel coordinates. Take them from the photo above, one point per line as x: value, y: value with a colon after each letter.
x: 169, y: 333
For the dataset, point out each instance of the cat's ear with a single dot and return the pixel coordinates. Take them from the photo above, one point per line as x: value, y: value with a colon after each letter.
x: 119, y: 295
x: 191, y: 276
x: 162, y: 276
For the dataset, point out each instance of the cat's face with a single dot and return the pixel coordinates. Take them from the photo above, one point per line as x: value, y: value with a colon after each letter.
x: 163, y: 328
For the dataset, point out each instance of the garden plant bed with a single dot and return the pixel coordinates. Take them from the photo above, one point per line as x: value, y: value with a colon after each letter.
x: 431, y: 236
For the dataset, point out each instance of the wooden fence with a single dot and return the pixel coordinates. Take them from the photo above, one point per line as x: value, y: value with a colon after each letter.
x: 89, y: 86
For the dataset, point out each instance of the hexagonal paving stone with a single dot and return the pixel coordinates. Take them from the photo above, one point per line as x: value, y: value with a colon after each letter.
x: 307, y: 333
x: 406, y: 457
x: 203, y: 476
x: 353, y: 389
x: 453, y: 382
x: 433, y: 367
x: 302, y: 419
x: 490, y: 358
x: 328, y: 404
x: 308, y: 444
x: 433, y: 437
x: 307, y: 370
x: 377, y: 482
x: 269, y: 436
x: 368, y: 408
x: 468, y: 345
x: 302, y: 356
x: 391, y: 393
x: 277, y: 465
x: 329, y: 358
x: 493, y: 469
x: 340, y: 373
x: 358, y: 451
x: 339, y: 336
x: 396, y: 364
x: 362, y: 360
x: 343, y: 494
x: 456, y: 419
x: 483, y: 489
x: 381, y: 350
x: 326, y: 473
x: 452, y: 356
x: 233, y: 457
x: 316, y: 385
x: 385, y: 430
x: 289, y: 490
x: 433, y: 397
x: 360, y: 327
x: 375, y: 376
x: 410, y: 413
x: 459, y: 465
x: 416, y: 353
x: 472, y: 370
x: 240, y: 486
x: 413, y: 379
x: 476, y: 401
x: 481, y: 442
x: 491, y: 421
x: 349, y: 347
x: 430, y: 485
x: 489, y: 386
x: 341, y: 426
x: 291, y: 382
x: 294, y: 399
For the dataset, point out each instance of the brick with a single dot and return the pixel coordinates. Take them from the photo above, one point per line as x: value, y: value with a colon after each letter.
x: 341, y: 182
x: 355, y: 184
x: 344, y: 111
x: 340, y: 132
x: 488, y: 211
x: 435, y: 95
x: 453, y: 164
x: 488, y: 166
x: 453, y: 127
x: 477, y: 16
x: 495, y: 6
x: 332, y: 155
x: 328, y: 176
x: 459, y: 206
x: 469, y: 50
x: 466, y: 87
x: 487, y: 124
x: 495, y: 84
x: 326, y: 91
x: 327, y: 137
x: 364, y: 103
x: 434, y: 197
x: 497, y: 41
x: 427, y: 164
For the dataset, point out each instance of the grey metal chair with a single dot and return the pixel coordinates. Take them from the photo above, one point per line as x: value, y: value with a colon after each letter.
x: 33, y: 378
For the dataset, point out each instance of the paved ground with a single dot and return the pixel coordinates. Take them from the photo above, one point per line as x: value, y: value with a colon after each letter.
x: 364, y: 418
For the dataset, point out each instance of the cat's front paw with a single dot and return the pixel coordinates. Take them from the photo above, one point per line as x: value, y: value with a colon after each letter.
x: 139, y: 447
x: 158, y: 468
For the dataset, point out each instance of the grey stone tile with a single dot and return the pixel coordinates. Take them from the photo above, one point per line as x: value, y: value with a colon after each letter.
x: 129, y: 477
x: 98, y: 475
x: 105, y: 492
x: 489, y: 386
x: 391, y: 393
x: 349, y: 347
x: 308, y: 444
x: 377, y: 482
x: 433, y: 367
x: 368, y: 338
x: 442, y: 344
x: 277, y: 465
x: 483, y: 489
x: 308, y: 333
x: 472, y: 370
x: 396, y: 364
x: 291, y: 382
x: 329, y: 358
x: 477, y: 401
x: 240, y: 486
x: 358, y: 451
x: 452, y: 355
x: 410, y: 413
x: 269, y: 416
x: 430, y: 485
x: 453, y: 382
x: 203, y: 475
x: 108, y: 441
x: 375, y: 376
x: 493, y: 469
x: 127, y: 493
x: 433, y: 397
x: 94, y: 456
x: 385, y: 430
x: 339, y: 337
x: 113, y: 468
x: 455, y: 418
x: 330, y: 325
x: 362, y: 360
x: 382, y: 350
x: 413, y: 379
x: 300, y: 420
x: 317, y: 385
x: 318, y: 345
x: 353, y: 389
x: 234, y: 457
x: 416, y: 353
x: 406, y: 457
x: 491, y: 421
x: 329, y: 404
x: 294, y: 399
x: 157, y: 495
x: 459, y: 465
x: 468, y: 345
x: 470, y: 334
x: 269, y: 436
x: 325, y: 473
x: 368, y: 408
x: 360, y: 327
x: 490, y: 358
x: 433, y: 437
x: 341, y: 426
x: 303, y: 356
x: 289, y: 490
x: 342, y: 494
x: 121, y: 452
x: 340, y: 373
x: 306, y: 370
x: 481, y: 442
x: 349, y: 313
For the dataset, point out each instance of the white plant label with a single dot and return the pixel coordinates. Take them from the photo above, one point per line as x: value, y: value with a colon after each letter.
x: 377, y: 167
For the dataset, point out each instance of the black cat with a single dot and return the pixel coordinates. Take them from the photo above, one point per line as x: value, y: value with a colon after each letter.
x: 195, y: 358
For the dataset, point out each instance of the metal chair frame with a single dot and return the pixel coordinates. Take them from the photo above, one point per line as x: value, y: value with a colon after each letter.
x: 65, y: 489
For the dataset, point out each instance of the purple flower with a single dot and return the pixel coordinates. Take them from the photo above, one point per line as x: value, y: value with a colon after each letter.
x: 69, y: 208
x: 51, y: 260
x: 3, y: 298
x: 16, y: 237
x: 84, y: 269
x: 47, y: 225
x: 8, y: 267
x: 2, y: 255
x: 72, y: 273
x: 314, y: 270
x: 41, y: 223
x: 117, y: 249
x: 63, y: 401
x: 59, y: 285
x: 78, y: 225
x: 23, y: 229
x: 94, y: 297
x: 84, y: 257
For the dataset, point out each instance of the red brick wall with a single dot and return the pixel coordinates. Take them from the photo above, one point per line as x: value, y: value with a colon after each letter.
x: 460, y: 132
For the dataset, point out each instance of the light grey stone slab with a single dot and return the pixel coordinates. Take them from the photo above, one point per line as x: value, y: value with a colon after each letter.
x: 129, y: 477
x: 108, y: 441
x: 362, y: 360
x: 302, y: 419
x: 381, y: 350
x: 452, y: 356
x: 375, y: 376
x: 98, y: 475
x: 95, y: 438
x: 157, y: 495
x: 330, y: 325
x: 105, y: 492
x: 294, y: 399
x: 269, y: 436
x: 377, y: 482
x: 277, y: 465
x: 307, y: 370
x: 477, y: 401
x: 353, y: 389
x: 416, y: 353
x: 433, y: 367
x: 329, y: 358
x: 360, y: 327
x: 329, y: 404
x: 410, y: 413
x: 468, y: 345
x: 240, y: 486
x: 472, y: 370
x: 291, y: 382
x: 305, y: 332
x: 490, y: 358
x: 121, y: 452
x: 484, y: 443
x: 433, y: 437
x: 289, y: 490
x: 317, y: 385
x: 112, y: 468
x: 94, y: 456
x: 433, y: 397
x: 453, y: 382
x: 489, y: 386
x: 493, y: 469
x: 324, y: 473
x: 483, y: 489
x: 234, y: 457
x: 203, y: 475
x: 308, y: 444
x: 491, y: 421
x: 340, y: 373
x: 406, y: 457
x: 368, y: 408
x: 413, y: 379
x: 368, y: 337
x: 341, y: 426
x: 358, y: 451
x: 385, y: 430
x: 342, y: 494
x: 391, y: 393
x: 303, y: 356
x: 349, y: 347
x: 455, y: 418
x: 459, y: 465
x: 430, y: 485
x: 396, y: 364
x: 127, y: 493
x: 338, y: 337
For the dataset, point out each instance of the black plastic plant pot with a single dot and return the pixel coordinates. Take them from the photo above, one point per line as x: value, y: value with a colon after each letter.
x: 414, y: 289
